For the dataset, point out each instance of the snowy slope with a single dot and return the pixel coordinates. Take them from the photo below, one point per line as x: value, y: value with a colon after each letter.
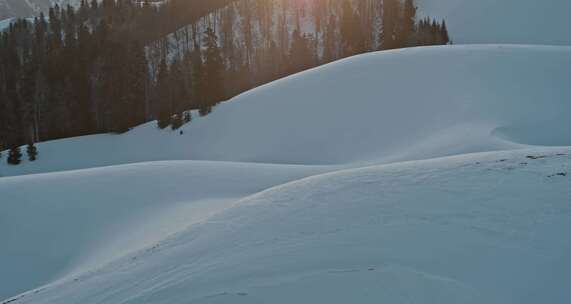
x: 360, y: 110
x: 4, y: 24
x: 505, y: 21
x: 15, y: 8
x: 27, y: 8
x: 336, y: 228
x: 56, y: 224
x: 484, y: 228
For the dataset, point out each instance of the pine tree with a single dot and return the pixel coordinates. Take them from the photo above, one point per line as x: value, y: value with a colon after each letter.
x: 14, y: 156
x: 164, y: 96
x: 137, y: 80
x: 187, y: 117
x: 435, y: 30
x: 32, y: 152
x: 84, y: 115
x: 352, y: 35
x: 347, y: 27
x: 228, y: 32
x: 408, y: 24
x: 300, y: 54
x: 178, y: 86
x: 213, y: 69
x: 198, y: 91
x: 329, y: 49
x: 390, y: 19
x: 55, y: 28
x: 444, y: 33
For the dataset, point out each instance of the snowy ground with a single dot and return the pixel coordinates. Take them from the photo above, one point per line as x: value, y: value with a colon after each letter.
x: 375, y: 192
x: 484, y: 228
x: 75, y: 216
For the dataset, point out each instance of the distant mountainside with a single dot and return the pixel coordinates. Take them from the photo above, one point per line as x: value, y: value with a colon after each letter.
x: 27, y: 8
x: 505, y: 21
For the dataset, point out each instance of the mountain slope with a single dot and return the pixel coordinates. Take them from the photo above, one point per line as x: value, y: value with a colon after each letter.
x: 28, y: 8
x: 53, y: 225
x: 199, y: 231
x: 482, y: 228
x: 15, y: 8
x: 197, y: 217
x: 506, y: 21
x: 360, y: 111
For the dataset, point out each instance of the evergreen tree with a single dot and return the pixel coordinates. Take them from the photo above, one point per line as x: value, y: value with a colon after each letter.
x: 213, y: 69
x: 187, y: 117
x: 351, y: 32
x: 390, y: 18
x: 14, y: 156
x: 408, y: 24
x: 164, y: 95
x: 347, y: 27
x: 300, y: 54
x: 444, y: 33
x: 137, y: 82
x: 198, y: 81
x: 32, y: 152
x: 329, y: 49
x: 55, y: 42
x: 178, y: 87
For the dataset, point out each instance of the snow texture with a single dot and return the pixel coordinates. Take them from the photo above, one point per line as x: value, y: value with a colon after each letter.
x: 483, y: 228
x: 408, y: 176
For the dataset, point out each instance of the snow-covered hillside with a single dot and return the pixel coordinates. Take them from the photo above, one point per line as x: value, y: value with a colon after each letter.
x: 337, y: 217
x: 504, y: 21
x: 67, y: 222
x: 27, y: 8
x: 484, y: 228
x: 15, y: 8
x: 361, y: 110
x: 5, y: 23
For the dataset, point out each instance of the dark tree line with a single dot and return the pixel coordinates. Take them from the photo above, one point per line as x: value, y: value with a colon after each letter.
x: 108, y: 66
x: 264, y: 40
x: 84, y: 70
x: 400, y: 27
